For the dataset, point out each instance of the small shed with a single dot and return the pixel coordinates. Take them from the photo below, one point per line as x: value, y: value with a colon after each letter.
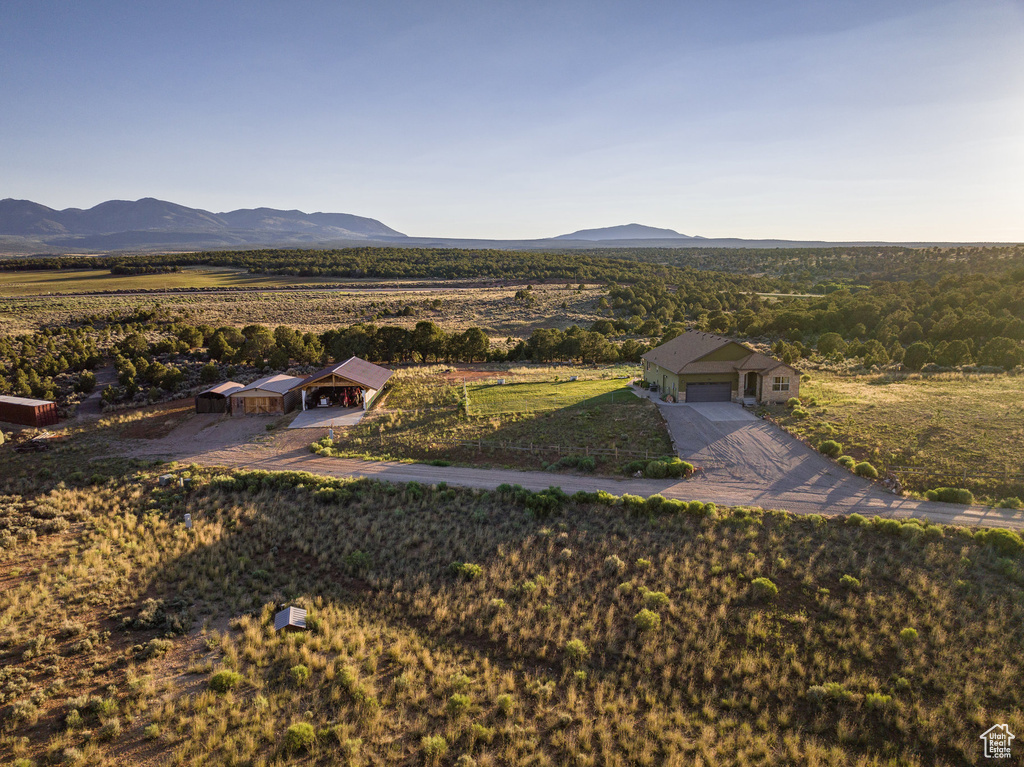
x: 216, y: 399
x: 352, y: 383
x: 28, y: 412
x: 290, y: 619
x: 270, y: 395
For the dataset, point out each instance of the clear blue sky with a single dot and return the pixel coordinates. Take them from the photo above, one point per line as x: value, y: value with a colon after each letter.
x: 804, y: 120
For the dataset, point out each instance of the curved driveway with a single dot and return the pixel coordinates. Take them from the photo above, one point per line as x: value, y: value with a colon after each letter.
x: 746, y: 461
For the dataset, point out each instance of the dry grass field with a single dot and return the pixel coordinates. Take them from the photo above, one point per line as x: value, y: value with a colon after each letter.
x: 452, y: 306
x: 455, y: 627
x: 945, y: 423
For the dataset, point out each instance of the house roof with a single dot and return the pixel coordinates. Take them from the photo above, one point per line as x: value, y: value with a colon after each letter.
x: 26, y: 401
x: 684, y: 355
x: 290, y: 616
x: 356, y: 370
x: 225, y: 389
x: 279, y: 384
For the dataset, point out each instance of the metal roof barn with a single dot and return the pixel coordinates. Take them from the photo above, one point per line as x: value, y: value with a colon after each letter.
x: 215, y: 399
x: 28, y: 412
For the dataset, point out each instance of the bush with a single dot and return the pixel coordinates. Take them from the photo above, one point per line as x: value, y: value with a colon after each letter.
x: 466, y: 570
x: 299, y: 737
x: 908, y: 636
x: 299, y: 674
x: 224, y: 680
x: 849, y: 582
x: 152, y: 731
x: 647, y: 620
x: 576, y: 651
x: 792, y: 402
x: 1010, y: 503
x: 799, y: 412
x: 1006, y: 542
x: 846, y: 461
x: 614, y: 565
x: 764, y: 590
x: 877, y: 701
x: 950, y: 495
x: 656, y: 470
x: 830, y: 447
x: 458, y: 704
x: 855, y: 519
x: 655, y: 599
x: 434, y: 746
x: 865, y: 469
x: 505, y: 703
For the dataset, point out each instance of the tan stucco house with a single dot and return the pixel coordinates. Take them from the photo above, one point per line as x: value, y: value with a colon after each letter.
x: 701, y: 367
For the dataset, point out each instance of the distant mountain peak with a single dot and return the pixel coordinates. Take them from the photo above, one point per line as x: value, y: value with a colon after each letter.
x: 626, y: 232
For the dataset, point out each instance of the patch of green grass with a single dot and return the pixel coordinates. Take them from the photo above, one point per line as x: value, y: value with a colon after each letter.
x: 424, y: 415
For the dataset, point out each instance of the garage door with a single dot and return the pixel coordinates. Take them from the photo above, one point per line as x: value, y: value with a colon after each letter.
x: 709, y: 392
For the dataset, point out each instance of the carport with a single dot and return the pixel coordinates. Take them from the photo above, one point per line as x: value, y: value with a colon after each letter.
x: 352, y: 383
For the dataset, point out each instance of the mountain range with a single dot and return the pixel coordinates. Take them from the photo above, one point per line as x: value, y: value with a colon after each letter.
x: 147, y: 223
x: 156, y: 225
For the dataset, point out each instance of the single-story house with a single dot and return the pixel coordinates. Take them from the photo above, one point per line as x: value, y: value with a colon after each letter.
x: 28, y: 412
x: 701, y: 367
x: 273, y: 394
x: 352, y: 383
x: 216, y: 398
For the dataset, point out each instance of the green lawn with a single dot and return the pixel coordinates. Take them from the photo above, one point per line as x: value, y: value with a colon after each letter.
x: 424, y: 417
x: 540, y: 397
x: 945, y: 424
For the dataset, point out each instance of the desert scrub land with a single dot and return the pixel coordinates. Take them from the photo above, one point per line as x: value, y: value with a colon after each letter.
x: 450, y: 305
x: 471, y: 627
x: 945, y: 423
x: 423, y: 415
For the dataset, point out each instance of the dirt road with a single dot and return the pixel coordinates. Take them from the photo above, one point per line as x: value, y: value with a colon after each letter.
x: 815, y: 485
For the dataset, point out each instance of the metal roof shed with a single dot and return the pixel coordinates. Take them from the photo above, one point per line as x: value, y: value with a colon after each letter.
x: 215, y: 399
x: 28, y: 412
x: 290, y: 619
x: 272, y: 394
x: 362, y: 378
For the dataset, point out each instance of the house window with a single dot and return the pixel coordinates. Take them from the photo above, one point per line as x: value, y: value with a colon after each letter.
x: 780, y: 383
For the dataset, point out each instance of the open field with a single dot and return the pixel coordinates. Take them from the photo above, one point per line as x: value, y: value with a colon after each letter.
x: 945, y: 423
x: 422, y: 416
x: 457, y: 625
x: 494, y: 309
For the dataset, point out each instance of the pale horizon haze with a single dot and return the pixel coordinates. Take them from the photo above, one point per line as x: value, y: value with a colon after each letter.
x: 841, y: 121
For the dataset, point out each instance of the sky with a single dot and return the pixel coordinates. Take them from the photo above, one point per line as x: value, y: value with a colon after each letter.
x: 816, y: 120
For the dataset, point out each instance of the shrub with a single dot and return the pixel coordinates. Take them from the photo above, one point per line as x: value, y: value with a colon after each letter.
x: 677, y: 468
x: 655, y: 599
x: 849, y: 582
x: 576, y: 651
x: 908, y: 635
x: 799, y: 412
x: 877, y: 701
x: 299, y: 737
x: 458, y: 704
x: 792, y: 402
x: 855, y: 519
x: 950, y: 495
x: 828, y: 691
x: 656, y: 470
x: 1006, y: 542
x: 299, y: 674
x: 224, y: 680
x: 764, y: 590
x: 73, y: 720
x: 152, y: 731
x: 831, y: 448
x: 614, y: 565
x: 466, y: 570
x: 434, y: 746
x: 647, y: 620
x: 643, y: 564
x: 110, y: 730
x: 846, y: 461
x: 634, y: 503
x: 865, y: 469
x: 1010, y: 503
x: 505, y: 703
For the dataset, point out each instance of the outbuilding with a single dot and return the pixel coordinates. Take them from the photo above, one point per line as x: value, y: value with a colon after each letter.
x: 217, y: 398
x: 267, y: 396
x: 352, y: 383
x: 701, y: 367
x: 290, y: 619
x: 28, y: 412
